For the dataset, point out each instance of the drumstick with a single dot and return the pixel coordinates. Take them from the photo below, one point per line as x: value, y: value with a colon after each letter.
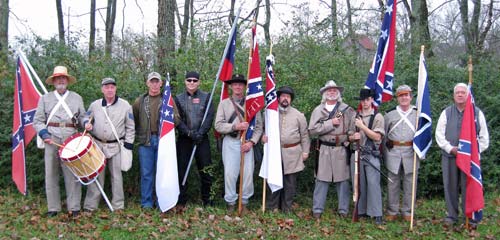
x: 61, y: 146
x: 83, y: 134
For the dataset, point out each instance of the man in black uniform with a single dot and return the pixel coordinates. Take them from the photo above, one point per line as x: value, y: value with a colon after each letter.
x: 191, y: 105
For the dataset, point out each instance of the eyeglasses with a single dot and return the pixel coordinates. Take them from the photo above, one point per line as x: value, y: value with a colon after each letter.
x: 192, y: 80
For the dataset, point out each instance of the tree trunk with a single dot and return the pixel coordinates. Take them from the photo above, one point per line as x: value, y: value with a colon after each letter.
x: 231, y: 13
x: 267, y: 24
x: 92, y: 28
x: 333, y: 12
x: 60, y: 21
x: 419, y: 26
x: 4, y: 31
x: 350, y: 30
x: 185, y: 24
x: 166, y: 33
x: 110, y: 25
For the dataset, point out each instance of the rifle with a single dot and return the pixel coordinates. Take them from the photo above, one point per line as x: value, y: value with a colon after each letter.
x: 355, y: 194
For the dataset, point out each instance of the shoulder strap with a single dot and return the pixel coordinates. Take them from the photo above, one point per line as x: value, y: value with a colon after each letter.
x: 63, y: 103
x: 238, y: 111
x: 111, y: 123
x: 372, y: 117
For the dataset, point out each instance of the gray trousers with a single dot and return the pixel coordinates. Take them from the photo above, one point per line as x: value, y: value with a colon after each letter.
x: 454, y: 181
x: 370, y: 198
x: 321, y: 191
x: 394, y: 189
x: 283, y: 198
x: 94, y: 195
x: 73, y: 187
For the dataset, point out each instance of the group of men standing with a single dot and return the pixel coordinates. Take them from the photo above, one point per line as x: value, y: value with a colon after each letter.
x: 340, y: 130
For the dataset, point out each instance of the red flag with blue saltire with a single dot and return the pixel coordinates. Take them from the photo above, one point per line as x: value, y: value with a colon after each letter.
x: 228, y: 65
x: 469, y: 161
x: 26, y: 98
x: 167, y: 179
x: 271, y: 168
x: 381, y: 75
x: 254, y: 100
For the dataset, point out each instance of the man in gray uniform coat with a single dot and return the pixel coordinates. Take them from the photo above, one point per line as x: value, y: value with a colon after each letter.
x: 447, y: 135
x: 229, y: 120
x: 57, y: 117
x: 331, y: 121
x: 400, y: 130
x: 295, y: 145
x: 120, y: 113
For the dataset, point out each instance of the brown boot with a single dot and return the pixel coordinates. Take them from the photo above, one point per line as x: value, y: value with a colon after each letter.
x: 391, y: 218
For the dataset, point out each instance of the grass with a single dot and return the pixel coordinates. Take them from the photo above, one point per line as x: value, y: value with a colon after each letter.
x: 23, y: 218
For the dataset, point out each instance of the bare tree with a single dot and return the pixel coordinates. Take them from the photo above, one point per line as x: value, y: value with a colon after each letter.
x: 60, y: 20
x: 4, y: 31
x: 418, y: 15
x: 334, y: 23
x: 92, y: 28
x: 350, y: 28
x: 267, y: 23
x: 474, y: 36
x: 110, y: 25
x: 166, y: 33
x: 185, y: 23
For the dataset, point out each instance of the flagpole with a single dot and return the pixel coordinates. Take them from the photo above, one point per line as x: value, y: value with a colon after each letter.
x: 470, y: 68
x: 243, y: 135
x: 265, y: 179
x: 25, y: 60
x: 414, y: 177
x: 228, y: 43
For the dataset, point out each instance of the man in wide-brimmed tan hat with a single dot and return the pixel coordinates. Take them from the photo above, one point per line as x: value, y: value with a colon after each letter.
x: 330, y: 122
x: 57, y: 117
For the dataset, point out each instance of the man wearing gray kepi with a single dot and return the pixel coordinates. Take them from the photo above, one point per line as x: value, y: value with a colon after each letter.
x: 110, y: 114
x: 56, y: 118
x: 400, y: 130
x: 331, y: 121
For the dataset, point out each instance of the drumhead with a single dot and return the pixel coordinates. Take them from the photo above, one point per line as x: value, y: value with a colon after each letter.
x: 74, y: 148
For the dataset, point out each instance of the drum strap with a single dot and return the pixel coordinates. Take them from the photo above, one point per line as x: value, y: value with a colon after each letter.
x: 112, y: 126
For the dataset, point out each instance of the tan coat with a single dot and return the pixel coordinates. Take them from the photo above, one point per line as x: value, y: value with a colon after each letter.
x: 293, y: 129
x: 332, y: 164
x: 224, y: 112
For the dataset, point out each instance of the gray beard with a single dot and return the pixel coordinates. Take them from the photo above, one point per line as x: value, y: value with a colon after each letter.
x: 60, y: 87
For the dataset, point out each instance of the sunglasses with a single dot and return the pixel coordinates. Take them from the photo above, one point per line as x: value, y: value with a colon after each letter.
x: 192, y: 80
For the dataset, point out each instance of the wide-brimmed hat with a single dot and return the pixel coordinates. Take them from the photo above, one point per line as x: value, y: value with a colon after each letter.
x: 153, y: 75
x: 366, y: 93
x: 60, y: 71
x: 287, y: 90
x: 403, y: 89
x: 237, y: 78
x: 331, y: 84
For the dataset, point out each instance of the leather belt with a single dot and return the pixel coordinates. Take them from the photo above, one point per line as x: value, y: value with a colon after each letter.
x: 331, y: 144
x: 106, y: 141
x: 290, y: 145
x: 154, y: 133
x: 61, y: 124
x: 402, y: 143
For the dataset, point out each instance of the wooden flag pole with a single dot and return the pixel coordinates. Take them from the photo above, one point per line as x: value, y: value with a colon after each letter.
x: 414, y: 177
x: 470, y: 68
x: 243, y: 135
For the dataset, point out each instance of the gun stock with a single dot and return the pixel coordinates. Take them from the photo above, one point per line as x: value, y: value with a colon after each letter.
x: 355, y: 195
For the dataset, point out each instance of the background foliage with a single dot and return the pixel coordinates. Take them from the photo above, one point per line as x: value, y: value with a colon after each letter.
x: 305, y: 60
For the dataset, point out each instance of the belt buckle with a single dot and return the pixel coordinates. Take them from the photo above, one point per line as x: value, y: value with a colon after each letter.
x: 402, y: 143
x: 62, y: 124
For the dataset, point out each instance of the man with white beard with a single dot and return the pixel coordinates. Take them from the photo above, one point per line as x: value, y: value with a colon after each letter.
x: 330, y: 122
x: 56, y: 118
